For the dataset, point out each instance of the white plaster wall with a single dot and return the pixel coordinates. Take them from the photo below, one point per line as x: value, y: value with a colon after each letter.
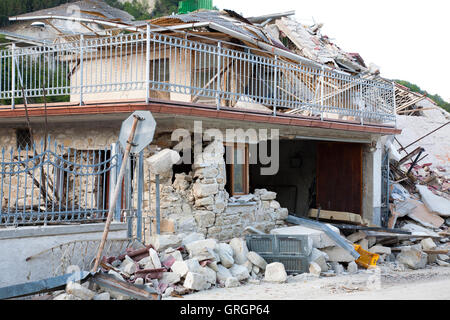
x: 18, y: 244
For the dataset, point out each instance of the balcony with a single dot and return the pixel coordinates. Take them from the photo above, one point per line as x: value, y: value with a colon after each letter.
x: 148, y: 65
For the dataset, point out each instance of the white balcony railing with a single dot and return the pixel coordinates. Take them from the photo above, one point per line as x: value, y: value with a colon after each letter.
x: 145, y: 65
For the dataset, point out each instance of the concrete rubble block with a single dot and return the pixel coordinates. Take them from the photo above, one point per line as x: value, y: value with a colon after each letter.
x: 197, y: 246
x: 314, y: 269
x: 116, y: 275
x: 442, y: 263
x: 204, y: 190
x: 428, y: 244
x: 145, y: 261
x: 168, y: 292
x: 319, y: 238
x: 320, y: 258
x: 66, y: 296
x: 257, y: 260
x: 434, y: 203
x: 79, y: 291
x: 209, y: 274
x: 195, y: 281
x: 176, y: 254
x: 240, y: 250
x: 371, y: 241
x: 102, y: 296
x: 139, y: 281
x: 225, y: 252
x: 240, y: 272
x: 275, y: 272
x: 155, y: 258
x: 213, y: 265
x: 338, y: 254
x: 183, y: 267
x: 204, y: 218
x: 267, y: 195
x: 364, y: 243
x: 170, y: 278
x: 357, y: 236
x: 163, y: 161
x: 352, y: 267
x: 163, y: 241
x: 378, y: 249
x: 337, y: 267
x: 223, y: 274
x: 256, y: 270
x: 232, y: 282
x: 412, y: 258
x: 432, y: 258
x: 248, y: 265
x: 443, y: 257
x: 191, y: 237
x: 128, y: 266
x: 205, y: 254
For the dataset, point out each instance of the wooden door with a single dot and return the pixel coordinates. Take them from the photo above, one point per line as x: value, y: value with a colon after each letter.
x: 339, y: 177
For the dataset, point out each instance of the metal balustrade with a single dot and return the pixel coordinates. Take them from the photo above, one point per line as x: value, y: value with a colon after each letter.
x: 146, y: 65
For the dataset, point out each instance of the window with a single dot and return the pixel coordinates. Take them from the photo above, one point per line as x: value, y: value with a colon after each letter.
x: 160, y: 70
x: 23, y: 139
x: 237, y: 169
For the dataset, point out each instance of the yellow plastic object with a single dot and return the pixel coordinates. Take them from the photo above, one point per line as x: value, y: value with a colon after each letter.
x: 367, y: 259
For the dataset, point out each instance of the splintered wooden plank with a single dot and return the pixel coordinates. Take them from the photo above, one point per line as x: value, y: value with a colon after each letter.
x: 336, y: 216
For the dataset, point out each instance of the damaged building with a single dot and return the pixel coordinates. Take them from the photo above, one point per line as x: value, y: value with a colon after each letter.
x: 257, y: 119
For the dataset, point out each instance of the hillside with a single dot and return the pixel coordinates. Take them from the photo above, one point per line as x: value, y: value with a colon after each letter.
x: 435, y: 97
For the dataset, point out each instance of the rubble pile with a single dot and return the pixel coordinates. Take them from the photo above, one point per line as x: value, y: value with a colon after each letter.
x: 177, y: 265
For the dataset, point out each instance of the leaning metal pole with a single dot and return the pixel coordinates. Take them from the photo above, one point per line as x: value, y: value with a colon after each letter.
x: 116, y: 192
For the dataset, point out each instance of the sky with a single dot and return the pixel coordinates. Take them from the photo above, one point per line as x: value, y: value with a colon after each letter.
x: 407, y: 39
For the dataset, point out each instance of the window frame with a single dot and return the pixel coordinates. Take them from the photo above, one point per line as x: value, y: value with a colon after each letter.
x: 237, y: 145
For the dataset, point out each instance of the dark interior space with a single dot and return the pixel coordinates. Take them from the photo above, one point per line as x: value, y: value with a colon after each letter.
x: 294, y: 182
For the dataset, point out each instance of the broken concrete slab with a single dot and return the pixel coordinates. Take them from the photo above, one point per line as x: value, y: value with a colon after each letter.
x: 433, y: 202
x: 338, y: 254
x: 170, y: 278
x: 378, y: 249
x: 163, y: 161
x: 319, y: 238
x: 240, y: 250
x: 240, y: 272
x: 364, y: 243
x: 223, y: 273
x: 79, y: 291
x: 155, y: 258
x: 191, y: 237
x: 183, y: 267
x: 257, y: 260
x: 225, y: 252
x: 417, y: 230
x: 231, y: 282
x: 336, y: 216
x: 352, y: 267
x: 428, y: 244
x: 412, y: 258
x: 195, y: 281
x: 162, y: 242
x: 66, y: 296
x: 196, y: 247
x: 442, y: 263
x: 275, y: 272
x: 102, y: 296
x: 320, y: 258
x: 425, y: 217
x: 314, y: 269
x: 357, y: 236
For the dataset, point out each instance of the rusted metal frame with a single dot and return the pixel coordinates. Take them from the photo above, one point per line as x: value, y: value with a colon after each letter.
x: 404, y: 148
x: 139, y: 292
x: 410, y: 155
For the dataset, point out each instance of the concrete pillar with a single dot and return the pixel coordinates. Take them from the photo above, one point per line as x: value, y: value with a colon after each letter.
x: 372, y: 159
